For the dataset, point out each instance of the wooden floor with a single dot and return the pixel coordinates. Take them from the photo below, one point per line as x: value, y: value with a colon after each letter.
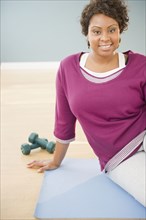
x: 27, y: 105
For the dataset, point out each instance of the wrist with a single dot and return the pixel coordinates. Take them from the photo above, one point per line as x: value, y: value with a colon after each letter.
x: 56, y: 163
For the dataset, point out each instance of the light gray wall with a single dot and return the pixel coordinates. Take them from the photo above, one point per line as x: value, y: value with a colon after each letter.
x: 48, y: 30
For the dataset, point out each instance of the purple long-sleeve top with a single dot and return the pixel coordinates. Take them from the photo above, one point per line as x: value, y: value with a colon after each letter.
x: 111, y: 110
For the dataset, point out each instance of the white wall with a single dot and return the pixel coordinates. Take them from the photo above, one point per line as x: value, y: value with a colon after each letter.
x: 48, y: 30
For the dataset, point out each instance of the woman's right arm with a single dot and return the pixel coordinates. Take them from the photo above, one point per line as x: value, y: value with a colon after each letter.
x: 59, y: 154
x: 64, y: 128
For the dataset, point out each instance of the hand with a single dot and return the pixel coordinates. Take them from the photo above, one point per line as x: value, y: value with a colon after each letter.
x: 42, y: 165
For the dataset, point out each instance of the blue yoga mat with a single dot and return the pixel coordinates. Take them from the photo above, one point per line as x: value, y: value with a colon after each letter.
x: 79, y: 190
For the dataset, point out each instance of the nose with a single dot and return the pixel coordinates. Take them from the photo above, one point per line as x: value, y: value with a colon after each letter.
x: 104, y: 37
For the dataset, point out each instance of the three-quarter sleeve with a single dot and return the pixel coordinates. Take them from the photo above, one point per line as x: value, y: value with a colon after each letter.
x: 65, y: 120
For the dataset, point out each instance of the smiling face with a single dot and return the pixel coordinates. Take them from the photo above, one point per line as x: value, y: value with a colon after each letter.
x: 103, y: 35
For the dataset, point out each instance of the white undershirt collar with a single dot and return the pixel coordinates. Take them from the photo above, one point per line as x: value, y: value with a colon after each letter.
x: 108, y: 73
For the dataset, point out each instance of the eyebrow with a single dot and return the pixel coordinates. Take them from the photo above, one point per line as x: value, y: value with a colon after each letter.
x: 107, y: 27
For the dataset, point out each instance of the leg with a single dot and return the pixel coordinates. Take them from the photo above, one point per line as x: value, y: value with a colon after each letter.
x: 144, y: 143
x: 131, y: 176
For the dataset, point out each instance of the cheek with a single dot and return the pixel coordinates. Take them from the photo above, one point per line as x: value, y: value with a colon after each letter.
x: 116, y: 37
x: 93, y: 40
x: 117, y: 40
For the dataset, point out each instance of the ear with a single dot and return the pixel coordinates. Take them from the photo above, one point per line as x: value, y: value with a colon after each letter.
x: 88, y: 44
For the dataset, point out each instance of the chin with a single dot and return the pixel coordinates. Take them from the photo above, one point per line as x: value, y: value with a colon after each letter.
x: 106, y: 53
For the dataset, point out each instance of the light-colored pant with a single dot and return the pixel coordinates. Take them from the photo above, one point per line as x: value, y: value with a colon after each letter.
x: 131, y: 175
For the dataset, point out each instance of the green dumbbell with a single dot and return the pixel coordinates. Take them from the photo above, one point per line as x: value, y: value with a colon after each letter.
x: 49, y: 146
x: 26, y: 148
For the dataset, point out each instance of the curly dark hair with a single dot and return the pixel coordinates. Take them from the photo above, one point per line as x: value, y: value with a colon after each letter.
x: 115, y: 9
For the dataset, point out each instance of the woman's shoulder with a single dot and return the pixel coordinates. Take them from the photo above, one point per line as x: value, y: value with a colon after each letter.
x: 137, y: 63
x: 71, y: 59
x: 69, y: 65
x: 135, y: 60
x: 133, y: 54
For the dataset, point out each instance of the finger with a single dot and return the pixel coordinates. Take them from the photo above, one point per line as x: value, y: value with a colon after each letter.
x: 35, y: 164
x: 32, y: 162
x: 45, y: 168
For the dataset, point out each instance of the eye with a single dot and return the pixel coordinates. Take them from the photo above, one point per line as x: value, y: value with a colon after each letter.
x: 112, y: 30
x: 96, y: 32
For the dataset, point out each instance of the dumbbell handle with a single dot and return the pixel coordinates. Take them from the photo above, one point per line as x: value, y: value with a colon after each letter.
x: 34, y: 146
x: 49, y: 146
x: 41, y: 142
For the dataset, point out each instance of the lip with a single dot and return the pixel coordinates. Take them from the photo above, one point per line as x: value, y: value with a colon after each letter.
x: 105, y: 46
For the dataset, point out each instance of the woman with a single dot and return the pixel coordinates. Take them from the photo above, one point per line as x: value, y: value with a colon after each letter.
x: 104, y: 90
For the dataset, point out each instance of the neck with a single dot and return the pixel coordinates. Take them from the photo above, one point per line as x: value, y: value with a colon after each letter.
x: 98, y: 63
x: 103, y: 59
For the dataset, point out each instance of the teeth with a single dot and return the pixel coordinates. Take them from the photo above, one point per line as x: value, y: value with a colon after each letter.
x: 105, y: 46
